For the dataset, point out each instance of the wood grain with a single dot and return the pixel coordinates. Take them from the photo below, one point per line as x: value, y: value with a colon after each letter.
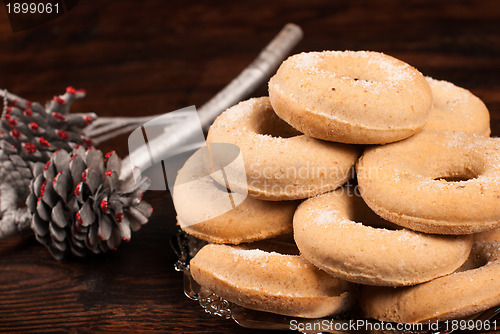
x: 149, y: 57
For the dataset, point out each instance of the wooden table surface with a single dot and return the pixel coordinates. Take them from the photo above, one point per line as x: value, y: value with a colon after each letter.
x: 148, y: 57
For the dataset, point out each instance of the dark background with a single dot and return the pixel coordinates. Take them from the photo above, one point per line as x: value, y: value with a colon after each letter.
x: 150, y: 57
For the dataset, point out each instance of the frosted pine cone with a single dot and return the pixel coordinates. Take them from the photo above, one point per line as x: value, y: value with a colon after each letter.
x: 29, y: 133
x: 80, y: 206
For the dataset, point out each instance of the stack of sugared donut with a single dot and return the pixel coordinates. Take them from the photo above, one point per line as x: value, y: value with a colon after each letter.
x: 367, y: 185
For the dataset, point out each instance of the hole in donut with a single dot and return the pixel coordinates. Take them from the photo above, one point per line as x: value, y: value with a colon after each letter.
x: 272, y: 245
x: 465, y: 175
x: 361, y: 213
x: 274, y: 126
x: 474, y: 261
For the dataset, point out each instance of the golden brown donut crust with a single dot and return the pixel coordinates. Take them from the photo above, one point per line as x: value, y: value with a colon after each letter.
x: 327, y: 234
x: 285, y: 166
x: 450, y: 297
x: 456, y: 109
x: 269, y: 281
x: 351, y: 97
x: 413, y: 183
x: 488, y: 236
x: 202, y: 197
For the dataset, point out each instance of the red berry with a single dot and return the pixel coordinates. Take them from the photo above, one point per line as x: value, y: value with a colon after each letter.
x: 78, y: 218
x: 29, y: 148
x: 78, y: 189
x: 42, y: 188
x: 58, y: 116
x: 107, y: 155
x: 108, y: 173
x: 47, y: 165
x: 54, y: 180
x: 12, y: 122
x: 63, y: 134
x: 43, y: 142
x: 105, y: 206
x: 15, y: 133
x: 87, y: 119
x: 28, y: 103
x: 119, y: 217
x: 59, y: 100
x: 34, y: 126
x: 28, y: 112
x: 70, y: 90
x: 84, y: 175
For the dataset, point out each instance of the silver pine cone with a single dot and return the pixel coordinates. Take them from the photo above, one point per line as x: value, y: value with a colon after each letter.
x: 80, y: 206
x: 30, y: 132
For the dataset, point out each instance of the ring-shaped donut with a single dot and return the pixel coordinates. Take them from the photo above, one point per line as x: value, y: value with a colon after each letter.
x: 351, y: 97
x: 280, y: 163
x: 268, y: 281
x: 220, y: 216
x: 456, y: 109
x: 488, y: 236
x: 455, y: 296
x: 327, y: 234
x: 435, y: 182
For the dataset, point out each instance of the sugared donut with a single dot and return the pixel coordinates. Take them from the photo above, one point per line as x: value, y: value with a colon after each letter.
x: 269, y: 281
x: 280, y: 163
x: 456, y: 109
x: 351, y: 97
x: 455, y: 296
x: 333, y: 232
x: 215, y: 219
x: 435, y: 182
x: 488, y: 236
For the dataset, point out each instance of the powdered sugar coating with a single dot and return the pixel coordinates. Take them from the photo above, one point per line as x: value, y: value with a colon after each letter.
x: 358, y: 97
x: 269, y: 281
x: 367, y: 252
x: 435, y: 182
x: 280, y: 162
x: 457, y: 109
x: 314, y: 62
